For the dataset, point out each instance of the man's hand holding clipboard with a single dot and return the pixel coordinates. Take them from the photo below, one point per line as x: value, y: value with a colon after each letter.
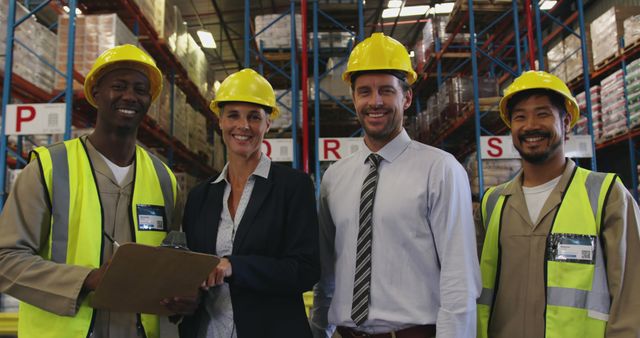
x: 146, y: 279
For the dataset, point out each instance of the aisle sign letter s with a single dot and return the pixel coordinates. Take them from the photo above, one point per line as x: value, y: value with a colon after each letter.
x: 41, y: 118
x: 495, y: 147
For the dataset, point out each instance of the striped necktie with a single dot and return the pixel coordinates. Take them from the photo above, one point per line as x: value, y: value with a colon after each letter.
x: 362, y: 279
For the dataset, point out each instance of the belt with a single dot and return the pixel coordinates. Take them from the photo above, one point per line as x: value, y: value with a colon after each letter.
x: 419, y: 331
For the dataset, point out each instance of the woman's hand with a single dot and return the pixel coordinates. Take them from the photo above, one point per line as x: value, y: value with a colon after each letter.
x: 222, y: 270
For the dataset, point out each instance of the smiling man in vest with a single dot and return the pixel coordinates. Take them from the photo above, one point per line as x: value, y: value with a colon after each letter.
x: 559, y: 243
x: 76, y: 200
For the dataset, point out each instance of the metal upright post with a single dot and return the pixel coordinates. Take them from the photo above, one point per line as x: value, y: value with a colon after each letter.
x: 6, y: 95
x: 587, y: 84
x: 247, y: 33
x: 316, y: 97
x: 529, y: 42
x: 476, y: 100
x: 172, y: 89
x: 304, y: 59
x: 71, y: 43
x: 516, y: 24
x: 360, y: 20
x: 294, y: 89
x: 536, y: 9
x: 438, y: 63
x: 630, y: 141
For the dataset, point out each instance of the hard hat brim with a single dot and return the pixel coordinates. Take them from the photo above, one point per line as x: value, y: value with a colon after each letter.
x: 570, y: 105
x: 153, y: 74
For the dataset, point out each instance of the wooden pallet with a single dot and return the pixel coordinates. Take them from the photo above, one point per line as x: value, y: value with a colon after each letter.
x: 630, y: 46
x: 575, y: 82
x: 606, y: 61
x: 485, y: 103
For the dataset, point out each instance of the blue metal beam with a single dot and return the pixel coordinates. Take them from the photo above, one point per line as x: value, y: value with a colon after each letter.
x: 6, y: 95
x: 71, y: 43
x: 587, y: 84
x: 294, y: 93
x: 476, y: 100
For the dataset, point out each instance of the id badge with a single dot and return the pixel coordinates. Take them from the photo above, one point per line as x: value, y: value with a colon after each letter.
x: 151, y: 217
x: 572, y: 248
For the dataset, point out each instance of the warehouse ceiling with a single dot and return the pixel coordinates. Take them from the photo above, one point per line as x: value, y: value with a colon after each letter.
x: 225, y: 19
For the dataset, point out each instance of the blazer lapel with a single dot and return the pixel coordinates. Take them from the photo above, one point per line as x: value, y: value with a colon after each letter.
x: 261, y: 190
x: 210, y: 216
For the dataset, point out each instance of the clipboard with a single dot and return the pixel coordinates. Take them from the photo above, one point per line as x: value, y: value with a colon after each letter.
x: 140, y: 276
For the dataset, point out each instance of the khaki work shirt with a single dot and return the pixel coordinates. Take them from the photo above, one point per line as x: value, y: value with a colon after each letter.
x: 519, y: 306
x: 24, y: 230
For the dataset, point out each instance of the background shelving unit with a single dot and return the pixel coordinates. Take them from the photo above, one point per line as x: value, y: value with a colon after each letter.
x: 505, y: 38
x: 329, y: 61
x: 81, y: 114
x: 280, y: 64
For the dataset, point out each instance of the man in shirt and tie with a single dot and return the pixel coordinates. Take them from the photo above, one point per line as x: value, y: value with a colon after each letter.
x: 397, y: 238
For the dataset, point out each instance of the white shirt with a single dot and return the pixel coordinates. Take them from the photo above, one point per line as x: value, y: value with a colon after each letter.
x: 422, y: 196
x: 535, y: 197
x: 119, y: 173
x: 218, y: 299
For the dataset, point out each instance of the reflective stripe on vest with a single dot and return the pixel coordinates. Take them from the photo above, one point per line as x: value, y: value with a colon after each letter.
x: 72, y: 190
x: 577, y: 294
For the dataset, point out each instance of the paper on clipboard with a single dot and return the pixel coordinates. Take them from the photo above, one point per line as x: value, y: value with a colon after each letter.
x: 140, y: 276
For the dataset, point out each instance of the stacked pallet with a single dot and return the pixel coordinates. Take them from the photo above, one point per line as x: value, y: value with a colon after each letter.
x: 581, y: 127
x: 614, y: 113
x: 36, y: 37
x: 606, y: 31
x: 495, y: 172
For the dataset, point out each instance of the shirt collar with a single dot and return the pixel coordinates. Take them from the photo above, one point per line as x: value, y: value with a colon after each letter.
x: 262, y: 170
x: 394, y: 148
x: 515, y: 185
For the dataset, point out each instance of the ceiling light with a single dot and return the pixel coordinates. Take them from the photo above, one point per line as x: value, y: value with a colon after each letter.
x: 546, y: 5
x: 406, y: 11
x: 412, y: 54
x: 206, y: 38
x: 216, y: 86
x: 66, y: 9
x: 444, y: 8
x: 394, y: 4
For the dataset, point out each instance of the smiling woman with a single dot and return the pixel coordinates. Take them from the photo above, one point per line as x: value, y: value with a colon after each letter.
x: 261, y: 218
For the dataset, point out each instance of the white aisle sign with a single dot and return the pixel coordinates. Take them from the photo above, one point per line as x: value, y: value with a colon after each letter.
x: 331, y: 149
x: 39, y: 118
x: 501, y: 147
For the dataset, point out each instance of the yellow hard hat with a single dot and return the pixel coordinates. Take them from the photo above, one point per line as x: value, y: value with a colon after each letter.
x: 246, y: 86
x: 379, y: 52
x: 129, y: 56
x: 539, y: 80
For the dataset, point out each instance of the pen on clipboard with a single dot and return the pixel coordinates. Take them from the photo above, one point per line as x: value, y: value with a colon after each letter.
x: 112, y: 240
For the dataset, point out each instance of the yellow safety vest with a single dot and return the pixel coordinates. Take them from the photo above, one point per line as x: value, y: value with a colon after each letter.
x: 73, y: 239
x: 577, y: 301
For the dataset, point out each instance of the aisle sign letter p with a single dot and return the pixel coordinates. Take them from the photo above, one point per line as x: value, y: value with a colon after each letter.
x: 21, y: 117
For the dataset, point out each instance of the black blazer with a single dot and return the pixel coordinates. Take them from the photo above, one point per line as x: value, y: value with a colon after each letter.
x: 275, y: 252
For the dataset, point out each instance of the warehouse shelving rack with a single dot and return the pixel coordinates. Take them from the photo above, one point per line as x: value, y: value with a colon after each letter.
x: 325, y: 14
x: 292, y: 78
x: 498, y: 60
x: 79, y: 111
x: 12, y: 23
x: 182, y: 158
x: 631, y: 137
